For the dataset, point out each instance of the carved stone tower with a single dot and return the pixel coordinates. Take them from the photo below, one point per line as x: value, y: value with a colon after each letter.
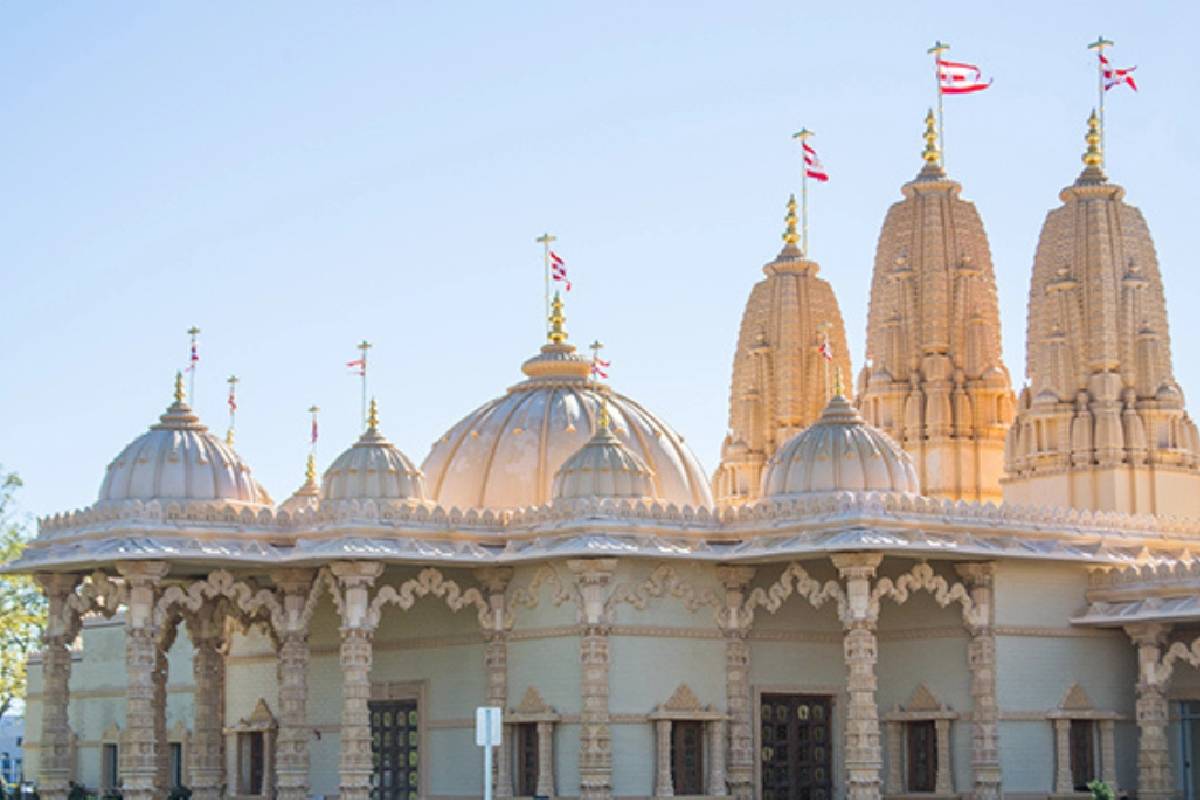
x: 1101, y: 424
x: 782, y: 379
x: 934, y: 377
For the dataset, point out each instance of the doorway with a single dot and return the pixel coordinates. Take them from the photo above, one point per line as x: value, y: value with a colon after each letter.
x: 796, y: 755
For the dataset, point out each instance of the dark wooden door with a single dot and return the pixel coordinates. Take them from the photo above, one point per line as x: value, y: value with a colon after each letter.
x: 796, y: 756
x: 687, y: 761
x: 394, y: 750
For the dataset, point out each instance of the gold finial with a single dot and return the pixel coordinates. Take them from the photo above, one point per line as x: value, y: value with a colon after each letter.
x: 931, y: 154
x: 838, y: 389
x: 180, y: 395
x: 557, y: 334
x: 310, y: 469
x: 605, y: 420
x: 373, y: 417
x: 790, y: 237
x: 229, y: 437
x: 1093, y: 156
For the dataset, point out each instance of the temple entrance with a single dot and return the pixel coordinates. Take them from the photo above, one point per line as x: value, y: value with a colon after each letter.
x: 394, y: 755
x: 796, y: 755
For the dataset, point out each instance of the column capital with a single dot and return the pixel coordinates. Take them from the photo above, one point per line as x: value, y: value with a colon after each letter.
x: 57, y: 584
x: 976, y: 573
x: 143, y: 573
x: 356, y: 574
x: 494, y: 579
x: 293, y: 580
x: 735, y: 578
x: 856, y: 565
x: 1148, y: 634
x: 593, y: 576
x: 593, y: 570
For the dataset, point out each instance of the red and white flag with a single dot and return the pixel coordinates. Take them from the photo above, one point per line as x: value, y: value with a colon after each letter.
x: 194, y: 358
x: 314, y: 429
x: 232, y: 400
x: 600, y: 367
x: 558, y: 269
x: 813, y: 167
x: 955, y: 77
x: 359, y: 365
x: 825, y: 349
x: 1116, y: 77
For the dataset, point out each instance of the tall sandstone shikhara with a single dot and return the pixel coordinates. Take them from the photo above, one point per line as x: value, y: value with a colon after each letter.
x: 1102, y: 423
x: 934, y: 377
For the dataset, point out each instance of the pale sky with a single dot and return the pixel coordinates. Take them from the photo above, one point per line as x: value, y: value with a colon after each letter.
x: 295, y: 176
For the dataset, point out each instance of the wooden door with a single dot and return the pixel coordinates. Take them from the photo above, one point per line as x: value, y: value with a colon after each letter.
x: 796, y: 756
x: 394, y: 750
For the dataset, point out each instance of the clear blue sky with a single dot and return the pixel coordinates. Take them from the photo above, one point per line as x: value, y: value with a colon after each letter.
x: 295, y: 176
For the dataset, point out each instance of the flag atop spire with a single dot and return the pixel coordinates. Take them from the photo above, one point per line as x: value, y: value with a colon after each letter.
x: 193, y: 360
x: 599, y: 365
x: 1108, y: 77
x: 232, y: 380
x: 360, y: 366
x: 813, y: 168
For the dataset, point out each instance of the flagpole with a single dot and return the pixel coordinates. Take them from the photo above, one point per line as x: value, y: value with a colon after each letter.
x: 1099, y: 46
x: 596, y: 346
x: 802, y: 136
x: 938, y: 48
x: 363, y: 347
x: 193, y: 332
x: 544, y: 240
x: 233, y: 382
x: 823, y: 329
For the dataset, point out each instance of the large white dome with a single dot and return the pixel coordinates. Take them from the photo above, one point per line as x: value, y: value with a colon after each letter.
x: 178, y: 459
x: 840, y: 452
x: 505, y: 453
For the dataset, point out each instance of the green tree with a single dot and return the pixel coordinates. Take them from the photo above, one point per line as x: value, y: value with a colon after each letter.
x: 22, y: 606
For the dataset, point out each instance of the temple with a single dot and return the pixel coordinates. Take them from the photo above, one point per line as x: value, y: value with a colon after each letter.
x: 898, y: 592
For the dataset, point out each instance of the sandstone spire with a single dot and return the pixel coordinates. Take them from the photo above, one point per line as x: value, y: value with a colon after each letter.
x: 781, y: 382
x: 934, y: 376
x: 1101, y: 424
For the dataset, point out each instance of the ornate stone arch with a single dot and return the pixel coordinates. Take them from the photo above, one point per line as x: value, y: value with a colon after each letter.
x: 794, y: 580
x: 429, y: 582
x: 664, y: 581
x: 923, y: 578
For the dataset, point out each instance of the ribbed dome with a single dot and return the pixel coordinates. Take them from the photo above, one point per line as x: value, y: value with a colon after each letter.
x: 840, y: 453
x: 178, y: 459
x: 604, y: 467
x: 505, y: 453
x: 373, y: 469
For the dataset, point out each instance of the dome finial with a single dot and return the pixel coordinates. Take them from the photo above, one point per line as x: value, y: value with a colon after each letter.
x: 373, y: 417
x: 605, y: 420
x: 931, y: 154
x: 790, y: 236
x: 557, y: 334
x: 1093, y: 156
x: 180, y: 395
x: 838, y: 388
x: 310, y: 469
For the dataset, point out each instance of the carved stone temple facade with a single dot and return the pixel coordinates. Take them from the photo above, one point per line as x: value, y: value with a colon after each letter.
x: 836, y: 616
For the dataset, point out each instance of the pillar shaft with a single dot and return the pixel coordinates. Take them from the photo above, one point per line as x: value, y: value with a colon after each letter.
x: 735, y: 625
x: 595, y: 743
x: 54, y: 765
x: 355, y: 579
x: 981, y: 660
x: 292, y: 756
x: 863, y: 756
x: 545, y: 781
x: 1062, y: 756
x: 943, y: 780
x: 495, y: 656
x: 206, y: 756
x: 140, y: 744
x: 716, y: 760
x: 663, y: 785
x: 1154, y: 761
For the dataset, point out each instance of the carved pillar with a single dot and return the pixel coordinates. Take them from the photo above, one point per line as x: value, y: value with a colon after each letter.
x: 62, y: 625
x: 593, y: 576
x: 291, y: 746
x: 545, y: 781
x: 356, y: 579
x: 1154, y: 761
x: 206, y: 750
x: 495, y: 658
x: 862, y: 753
x: 735, y: 625
x: 1062, y: 757
x: 716, y: 758
x: 943, y: 779
x: 162, y: 758
x: 663, y: 785
x: 981, y: 659
x: 894, y: 780
x: 140, y: 745
x: 1108, y: 755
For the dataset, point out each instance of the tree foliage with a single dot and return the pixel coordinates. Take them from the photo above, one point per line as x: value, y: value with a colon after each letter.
x: 22, y: 606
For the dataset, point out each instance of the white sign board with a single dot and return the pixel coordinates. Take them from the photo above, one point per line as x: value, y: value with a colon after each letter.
x: 488, y: 726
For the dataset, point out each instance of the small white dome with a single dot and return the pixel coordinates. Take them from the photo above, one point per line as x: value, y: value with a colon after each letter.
x: 373, y: 469
x: 308, y: 496
x: 603, y: 467
x: 840, y: 452
x: 178, y: 459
